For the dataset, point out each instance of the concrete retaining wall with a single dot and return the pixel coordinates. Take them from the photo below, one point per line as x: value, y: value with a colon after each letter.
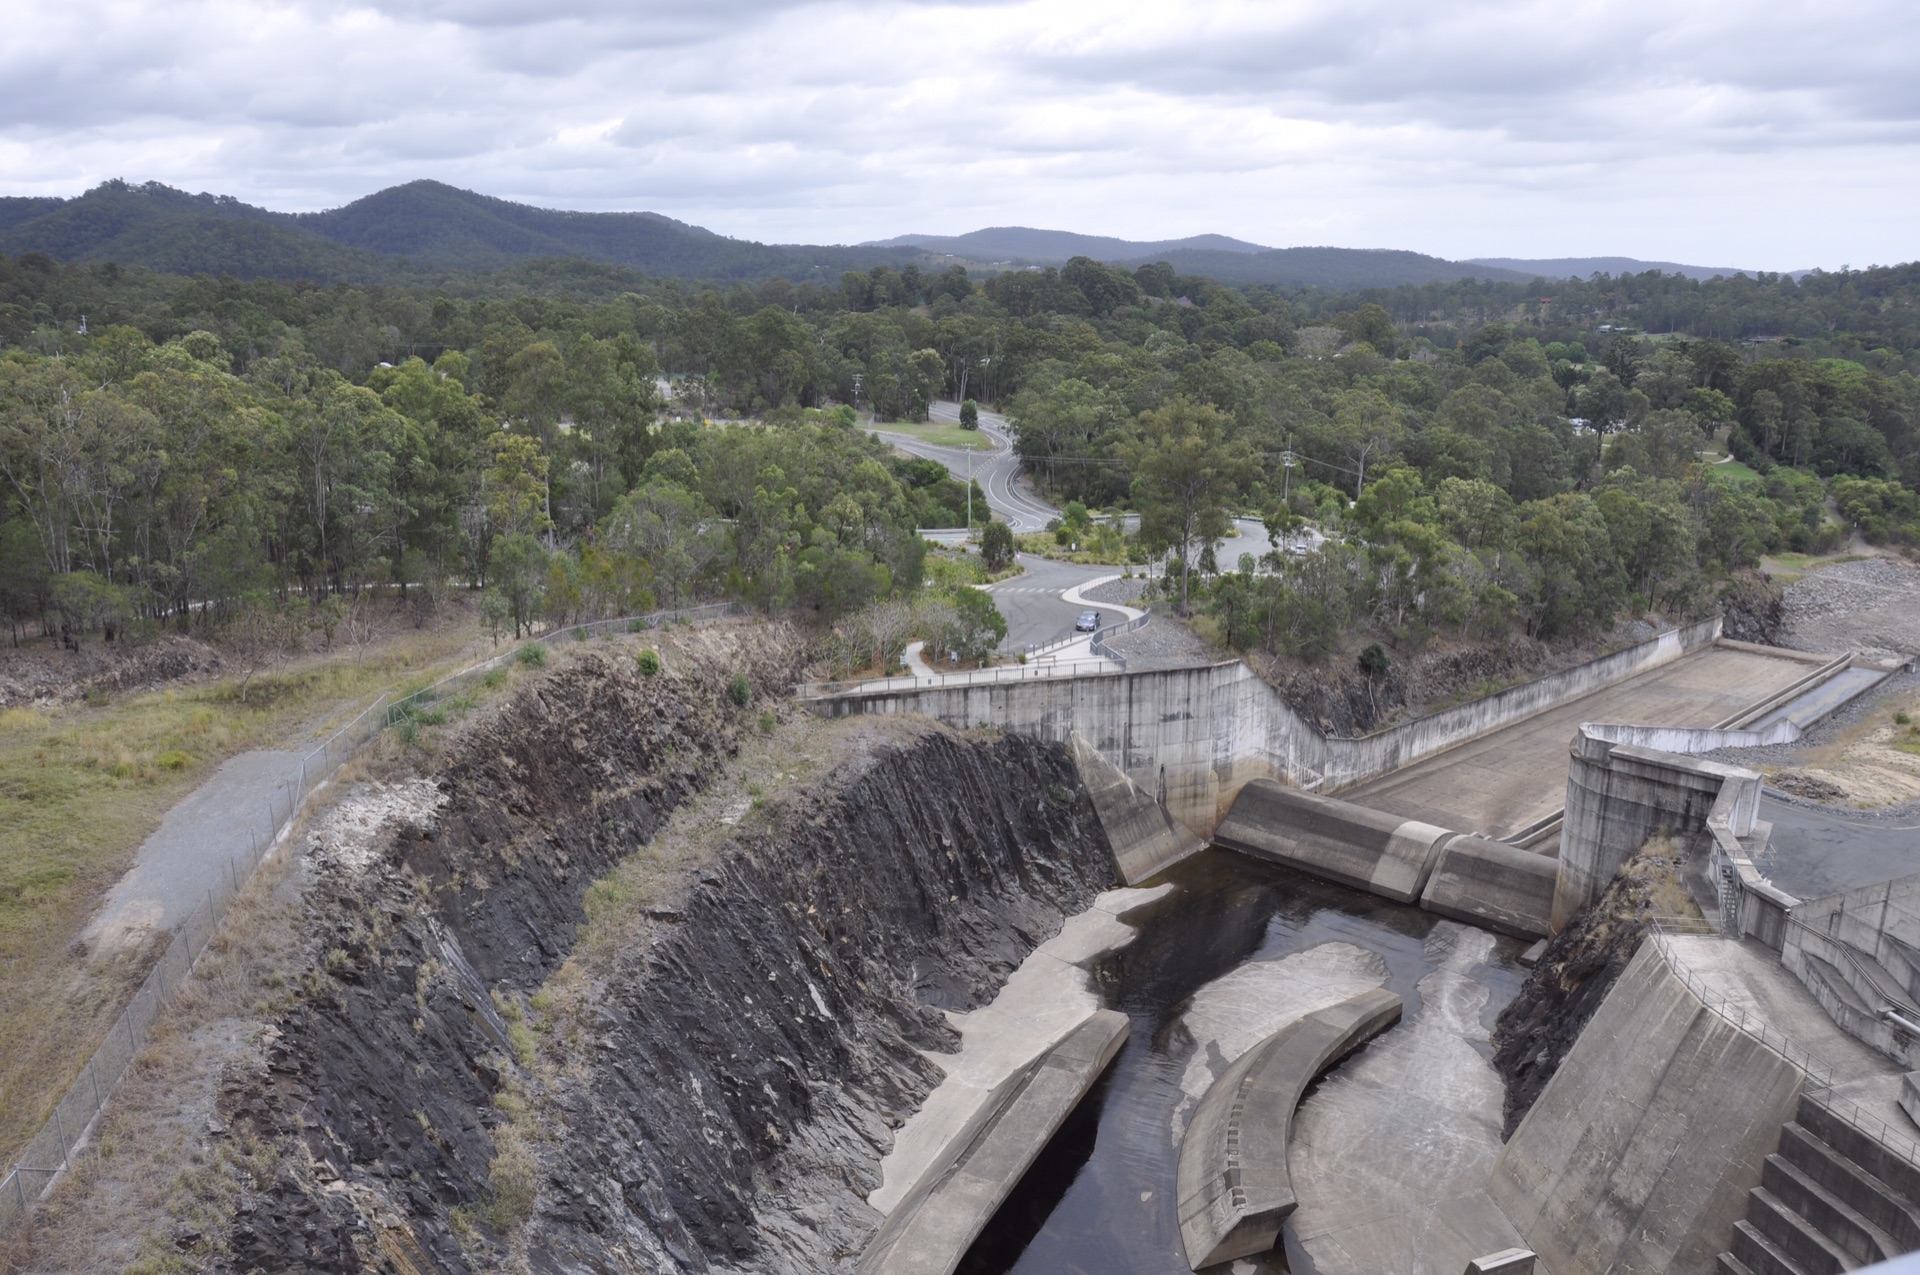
x: 1145, y: 838
x: 1494, y: 885
x: 1354, y: 845
x: 1474, y: 879
x: 1639, y: 1154
x: 1859, y: 952
x: 1234, y: 1186
x: 1193, y: 736
x: 1621, y: 794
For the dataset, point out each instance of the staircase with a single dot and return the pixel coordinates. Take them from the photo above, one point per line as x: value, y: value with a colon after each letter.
x: 1831, y: 1199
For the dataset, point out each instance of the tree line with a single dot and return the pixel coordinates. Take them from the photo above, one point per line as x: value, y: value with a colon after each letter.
x: 542, y: 434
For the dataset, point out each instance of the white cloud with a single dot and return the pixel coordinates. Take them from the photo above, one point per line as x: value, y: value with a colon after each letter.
x: 1772, y: 133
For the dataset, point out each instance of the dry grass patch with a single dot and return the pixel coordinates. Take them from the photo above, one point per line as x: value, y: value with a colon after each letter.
x: 81, y: 786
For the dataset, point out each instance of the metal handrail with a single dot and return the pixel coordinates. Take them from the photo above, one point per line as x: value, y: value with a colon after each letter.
x: 1852, y: 958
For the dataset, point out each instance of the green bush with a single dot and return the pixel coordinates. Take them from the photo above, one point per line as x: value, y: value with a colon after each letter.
x: 174, y: 759
x: 739, y: 690
x: 533, y: 655
x: 649, y: 661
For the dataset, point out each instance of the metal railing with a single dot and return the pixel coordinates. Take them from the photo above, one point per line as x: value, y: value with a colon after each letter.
x: 411, y: 705
x: 51, y: 1151
x: 1818, y: 1073
x: 946, y: 681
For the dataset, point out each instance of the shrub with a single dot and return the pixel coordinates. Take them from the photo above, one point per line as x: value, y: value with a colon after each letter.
x: 533, y: 655
x: 1374, y: 661
x: 1902, y: 718
x: 739, y: 690
x: 174, y: 759
x: 767, y: 723
x: 649, y: 661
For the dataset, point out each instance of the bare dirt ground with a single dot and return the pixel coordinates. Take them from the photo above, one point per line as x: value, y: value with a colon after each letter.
x: 1863, y: 758
x: 44, y: 674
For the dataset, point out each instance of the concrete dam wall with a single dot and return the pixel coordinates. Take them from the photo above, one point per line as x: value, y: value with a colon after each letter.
x: 1193, y: 737
x: 1639, y: 1154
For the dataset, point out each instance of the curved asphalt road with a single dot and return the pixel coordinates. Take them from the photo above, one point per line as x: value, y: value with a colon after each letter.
x: 996, y: 470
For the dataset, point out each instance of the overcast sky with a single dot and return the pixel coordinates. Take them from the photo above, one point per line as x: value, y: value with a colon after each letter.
x: 1766, y: 133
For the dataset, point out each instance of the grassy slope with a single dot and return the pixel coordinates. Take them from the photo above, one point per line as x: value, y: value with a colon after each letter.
x: 82, y: 786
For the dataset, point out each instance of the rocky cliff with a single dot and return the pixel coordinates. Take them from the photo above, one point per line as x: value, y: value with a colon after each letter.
x: 459, y: 1084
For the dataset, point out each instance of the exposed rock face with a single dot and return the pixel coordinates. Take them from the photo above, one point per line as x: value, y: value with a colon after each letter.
x: 727, y: 1098
x: 1753, y: 609
x: 1539, y: 1026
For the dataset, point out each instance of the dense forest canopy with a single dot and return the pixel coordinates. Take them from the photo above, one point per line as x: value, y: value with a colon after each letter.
x: 1482, y: 456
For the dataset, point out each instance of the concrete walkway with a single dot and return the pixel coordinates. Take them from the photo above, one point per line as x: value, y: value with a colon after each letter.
x: 211, y: 832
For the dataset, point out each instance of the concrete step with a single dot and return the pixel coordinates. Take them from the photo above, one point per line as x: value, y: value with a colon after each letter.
x: 1904, y: 962
x: 1845, y: 984
x: 1876, y: 984
x: 1760, y: 1254
x: 1840, y: 1222
x: 1796, y: 1236
x: 1839, y: 1174
x: 1894, y: 1172
x: 1728, y: 1264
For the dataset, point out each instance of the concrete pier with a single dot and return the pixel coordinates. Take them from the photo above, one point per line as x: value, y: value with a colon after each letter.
x: 1233, y: 1185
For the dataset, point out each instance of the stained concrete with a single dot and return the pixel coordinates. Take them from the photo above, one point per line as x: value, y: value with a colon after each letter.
x: 1639, y: 1154
x: 1492, y: 884
x: 929, y: 1231
x: 1193, y: 736
x: 1234, y: 1189
x: 1501, y: 782
x: 1338, y: 840
x: 1391, y: 1153
x: 1146, y: 838
x: 1246, y: 1005
x: 1049, y: 997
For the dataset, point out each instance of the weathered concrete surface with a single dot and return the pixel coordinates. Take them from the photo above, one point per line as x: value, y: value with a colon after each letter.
x: 1620, y: 794
x: 1247, y: 1004
x: 1195, y: 735
x: 1049, y: 997
x: 1492, y: 884
x: 1146, y: 838
x: 1639, y: 1154
x: 929, y: 1231
x: 1500, y: 783
x: 1354, y: 845
x: 1391, y: 1152
x: 1233, y: 1185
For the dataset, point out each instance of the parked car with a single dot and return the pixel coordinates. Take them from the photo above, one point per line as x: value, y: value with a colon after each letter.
x: 1087, y: 623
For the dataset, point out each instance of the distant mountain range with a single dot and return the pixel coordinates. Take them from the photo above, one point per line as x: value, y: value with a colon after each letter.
x: 428, y: 228
x: 1582, y: 267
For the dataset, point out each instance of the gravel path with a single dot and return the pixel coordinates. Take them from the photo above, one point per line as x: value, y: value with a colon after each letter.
x: 216, y: 825
x: 1164, y: 643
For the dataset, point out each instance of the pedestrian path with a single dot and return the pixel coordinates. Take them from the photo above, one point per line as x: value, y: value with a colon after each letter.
x: 204, y: 839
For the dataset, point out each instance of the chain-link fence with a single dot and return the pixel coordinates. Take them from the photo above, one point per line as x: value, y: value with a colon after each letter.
x: 51, y: 1151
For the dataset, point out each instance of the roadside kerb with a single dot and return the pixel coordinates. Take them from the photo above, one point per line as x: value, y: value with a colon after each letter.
x: 51, y: 1152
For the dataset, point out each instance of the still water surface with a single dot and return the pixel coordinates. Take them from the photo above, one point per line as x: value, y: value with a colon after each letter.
x: 1099, y: 1200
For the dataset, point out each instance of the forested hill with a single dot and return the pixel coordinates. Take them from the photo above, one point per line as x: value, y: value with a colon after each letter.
x: 424, y: 231
x: 400, y: 235
x: 1485, y: 459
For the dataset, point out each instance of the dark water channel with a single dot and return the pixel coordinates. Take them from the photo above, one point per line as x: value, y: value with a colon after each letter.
x: 1100, y: 1199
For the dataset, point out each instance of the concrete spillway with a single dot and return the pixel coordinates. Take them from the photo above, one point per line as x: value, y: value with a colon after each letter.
x: 1474, y: 879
